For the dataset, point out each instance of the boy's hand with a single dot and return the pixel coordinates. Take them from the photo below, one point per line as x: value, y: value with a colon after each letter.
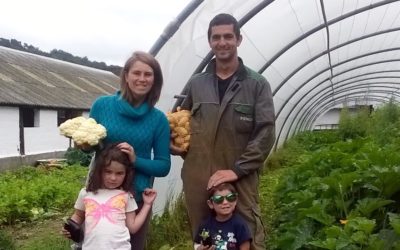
x: 149, y: 195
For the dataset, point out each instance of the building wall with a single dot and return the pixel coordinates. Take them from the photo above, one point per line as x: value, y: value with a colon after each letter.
x: 9, y: 131
x: 44, y: 138
x: 15, y: 162
x: 330, y: 117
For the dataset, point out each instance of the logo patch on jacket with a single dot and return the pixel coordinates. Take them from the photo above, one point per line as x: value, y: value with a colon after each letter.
x: 245, y: 118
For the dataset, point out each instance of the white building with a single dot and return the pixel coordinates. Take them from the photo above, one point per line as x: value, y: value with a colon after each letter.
x: 37, y: 95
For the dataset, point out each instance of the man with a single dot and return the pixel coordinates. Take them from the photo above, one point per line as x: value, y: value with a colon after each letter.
x: 232, y: 129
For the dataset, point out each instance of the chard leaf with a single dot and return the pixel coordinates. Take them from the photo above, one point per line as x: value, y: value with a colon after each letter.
x: 341, y: 183
x: 333, y: 231
x: 329, y: 243
x: 368, y: 205
x: 390, y: 238
x: 317, y: 212
x: 359, y: 237
x: 372, y: 187
x: 395, y: 222
x: 360, y: 224
x: 374, y: 243
x: 302, y: 198
x: 296, y: 235
x: 387, y: 180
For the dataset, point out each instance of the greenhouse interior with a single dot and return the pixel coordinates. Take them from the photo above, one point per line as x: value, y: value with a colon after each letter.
x: 317, y: 55
x: 331, y: 177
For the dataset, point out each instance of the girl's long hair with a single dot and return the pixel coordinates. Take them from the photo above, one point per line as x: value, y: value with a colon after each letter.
x: 103, y: 159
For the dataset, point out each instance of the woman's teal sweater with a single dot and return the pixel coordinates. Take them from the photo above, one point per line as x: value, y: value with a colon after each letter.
x: 144, y: 128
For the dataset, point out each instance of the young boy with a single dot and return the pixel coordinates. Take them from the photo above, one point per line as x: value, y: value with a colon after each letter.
x: 224, y: 229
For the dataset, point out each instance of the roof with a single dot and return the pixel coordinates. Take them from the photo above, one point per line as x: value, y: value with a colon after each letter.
x: 316, y: 54
x: 33, y: 80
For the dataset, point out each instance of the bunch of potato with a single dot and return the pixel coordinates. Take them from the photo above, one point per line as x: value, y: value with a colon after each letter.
x: 179, y: 123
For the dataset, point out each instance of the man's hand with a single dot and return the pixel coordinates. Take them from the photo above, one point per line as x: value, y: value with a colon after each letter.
x: 176, y: 150
x: 221, y: 176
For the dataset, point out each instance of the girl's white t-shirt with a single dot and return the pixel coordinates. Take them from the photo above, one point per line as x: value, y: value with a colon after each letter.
x: 105, y: 226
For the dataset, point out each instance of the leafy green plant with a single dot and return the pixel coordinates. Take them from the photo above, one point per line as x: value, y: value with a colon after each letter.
x: 34, y: 193
x: 354, y: 124
x: 345, y: 194
x: 385, y: 124
x: 77, y: 156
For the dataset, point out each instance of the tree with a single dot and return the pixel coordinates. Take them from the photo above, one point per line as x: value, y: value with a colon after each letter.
x: 60, y: 55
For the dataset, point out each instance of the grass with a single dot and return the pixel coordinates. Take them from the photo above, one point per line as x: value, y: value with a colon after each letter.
x: 268, y: 183
x: 39, y: 235
x: 171, y: 229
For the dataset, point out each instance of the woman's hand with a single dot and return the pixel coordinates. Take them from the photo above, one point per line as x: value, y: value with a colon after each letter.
x: 84, y: 147
x: 149, y: 195
x: 128, y: 149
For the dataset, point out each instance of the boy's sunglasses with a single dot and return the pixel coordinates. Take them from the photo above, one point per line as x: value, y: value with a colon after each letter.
x: 218, y: 199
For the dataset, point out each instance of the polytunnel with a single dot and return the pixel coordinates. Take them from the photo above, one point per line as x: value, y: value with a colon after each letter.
x: 316, y: 54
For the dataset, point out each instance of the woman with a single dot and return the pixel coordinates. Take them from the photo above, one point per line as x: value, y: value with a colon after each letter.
x: 130, y: 116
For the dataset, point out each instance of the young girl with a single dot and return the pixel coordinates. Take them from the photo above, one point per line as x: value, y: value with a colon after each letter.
x: 224, y: 229
x: 107, y: 205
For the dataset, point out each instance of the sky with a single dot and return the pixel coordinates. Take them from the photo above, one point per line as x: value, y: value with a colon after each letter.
x: 102, y: 30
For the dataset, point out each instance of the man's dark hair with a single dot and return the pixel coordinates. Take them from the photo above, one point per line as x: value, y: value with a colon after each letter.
x: 224, y: 19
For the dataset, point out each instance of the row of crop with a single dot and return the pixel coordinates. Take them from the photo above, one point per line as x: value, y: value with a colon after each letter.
x: 343, y: 194
x: 34, y: 193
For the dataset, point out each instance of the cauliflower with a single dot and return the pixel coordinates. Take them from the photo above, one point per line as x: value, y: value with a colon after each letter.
x: 83, y: 131
x: 68, y: 127
x: 179, y: 122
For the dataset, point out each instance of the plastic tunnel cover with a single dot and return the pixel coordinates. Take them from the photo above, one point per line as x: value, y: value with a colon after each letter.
x: 316, y: 54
